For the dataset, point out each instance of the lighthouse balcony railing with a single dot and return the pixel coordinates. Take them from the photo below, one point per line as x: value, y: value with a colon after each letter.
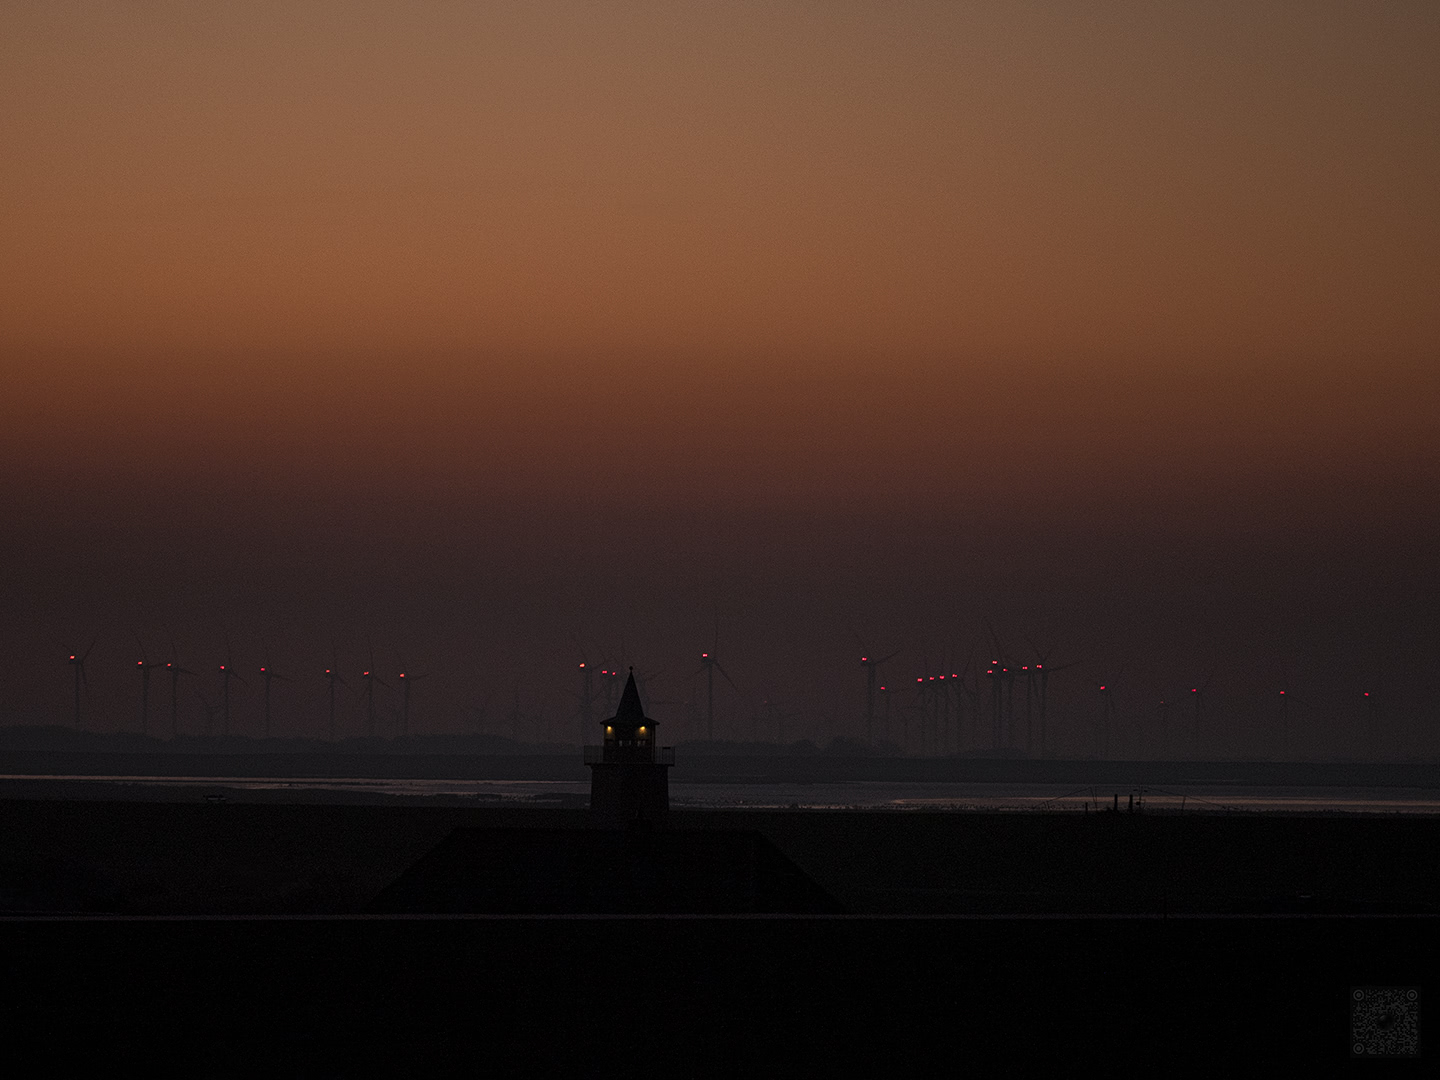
x: 595, y: 755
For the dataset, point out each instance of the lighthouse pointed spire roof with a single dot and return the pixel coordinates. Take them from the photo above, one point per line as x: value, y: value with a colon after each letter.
x: 630, y: 710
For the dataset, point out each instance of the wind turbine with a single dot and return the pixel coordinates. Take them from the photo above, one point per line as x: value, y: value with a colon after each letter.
x: 999, y: 676
x: 709, y: 665
x: 1107, y: 716
x: 608, y: 677
x: 267, y: 674
x: 227, y: 672
x: 1286, y: 697
x: 406, y: 678
x: 1042, y: 670
x: 885, y: 696
x: 175, y: 672
x: 1197, y: 695
x: 587, y: 700
x: 145, y: 666
x: 1373, y: 717
x: 332, y: 677
x: 370, y: 680
x: 78, y: 663
x: 871, y: 665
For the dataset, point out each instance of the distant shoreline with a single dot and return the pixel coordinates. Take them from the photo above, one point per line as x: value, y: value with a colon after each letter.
x: 722, y: 769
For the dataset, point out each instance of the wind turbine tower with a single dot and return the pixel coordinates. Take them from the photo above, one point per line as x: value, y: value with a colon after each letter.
x: 871, y: 665
x: 175, y: 672
x: 145, y: 667
x: 405, y: 680
x: 709, y: 665
x: 269, y: 676
x: 78, y: 663
x: 227, y: 672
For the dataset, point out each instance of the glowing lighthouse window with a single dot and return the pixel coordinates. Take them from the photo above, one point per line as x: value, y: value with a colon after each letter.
x: 609, y: 730
x: 642, y: 731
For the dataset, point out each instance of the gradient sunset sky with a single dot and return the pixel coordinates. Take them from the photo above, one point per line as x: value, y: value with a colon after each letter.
x: 462, y: 331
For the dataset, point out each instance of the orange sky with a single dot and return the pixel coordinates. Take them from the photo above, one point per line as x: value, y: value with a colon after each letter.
x: 1115, y: 265
x: 323, y: 211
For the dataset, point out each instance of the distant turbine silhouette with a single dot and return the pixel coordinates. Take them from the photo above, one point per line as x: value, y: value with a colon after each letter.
x: 332, y: 677
x: 587, y: 698
x: 709, y: 665
x: 872, y: 666
x: 268, y: 675
x: 175, y: 672
x: 1042, y: 670
x: 370, y: 680
x: 145, y: 666
x: 1107, y: 718
x: 1197, y: 696
x: 227, y: 672
x: 406, y: 678
x: 609, y: 679
x: 1374, y: 717
x: 78, y: 663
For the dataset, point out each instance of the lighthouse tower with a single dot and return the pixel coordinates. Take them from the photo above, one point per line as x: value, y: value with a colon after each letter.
x: 629, y: 778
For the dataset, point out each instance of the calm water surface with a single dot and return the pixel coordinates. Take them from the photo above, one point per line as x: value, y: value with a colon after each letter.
x: 878, y: 795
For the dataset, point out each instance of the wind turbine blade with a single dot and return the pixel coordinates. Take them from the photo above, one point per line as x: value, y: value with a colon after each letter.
x: 722, y: 671
x: 890, y: 657
x: 86, y: 653
x: 995, y: 641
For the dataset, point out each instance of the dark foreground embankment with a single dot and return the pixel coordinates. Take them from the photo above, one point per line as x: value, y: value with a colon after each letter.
x: 268, y: 859
x: 703, y: 997
x: 1133, y: 972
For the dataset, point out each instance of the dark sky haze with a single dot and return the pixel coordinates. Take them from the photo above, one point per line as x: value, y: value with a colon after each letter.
x: 462, y: 334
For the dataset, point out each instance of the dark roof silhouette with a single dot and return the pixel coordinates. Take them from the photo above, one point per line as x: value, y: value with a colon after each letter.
x: 630, y: 710
x: 538, y: 871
